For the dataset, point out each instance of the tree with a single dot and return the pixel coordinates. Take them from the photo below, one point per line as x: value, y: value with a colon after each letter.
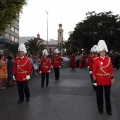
x: 13, y: 49
x: 34, y: 47
x: 103, y: 25
x: 9, y: 11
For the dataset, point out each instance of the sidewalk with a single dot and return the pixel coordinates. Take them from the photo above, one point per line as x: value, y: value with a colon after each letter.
x: 70, y: 98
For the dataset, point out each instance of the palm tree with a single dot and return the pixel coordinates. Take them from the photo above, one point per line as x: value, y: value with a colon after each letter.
x: 13, y: 48
x: 34, y: 46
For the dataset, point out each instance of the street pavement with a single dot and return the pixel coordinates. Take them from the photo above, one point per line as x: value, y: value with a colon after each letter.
x: 70, y: 98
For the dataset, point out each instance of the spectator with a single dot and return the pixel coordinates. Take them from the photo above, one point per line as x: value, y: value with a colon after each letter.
x: 3, y: 71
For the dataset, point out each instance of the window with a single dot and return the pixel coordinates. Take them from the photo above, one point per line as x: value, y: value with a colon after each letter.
x: 7, y: 36
x: 1, y: 36
x: 16, y: 31
x: 12, y: 38
x: 12, y: 28
x: 60, y: 33
x: 16, y: 22
x: 16, y: 39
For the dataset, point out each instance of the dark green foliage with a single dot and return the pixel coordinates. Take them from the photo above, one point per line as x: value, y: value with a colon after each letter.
x: 101, y: 26
x: 34, y: 46
x: 9, y: 11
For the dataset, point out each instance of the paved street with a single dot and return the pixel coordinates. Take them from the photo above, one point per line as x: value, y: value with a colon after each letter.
x: 70, y: 98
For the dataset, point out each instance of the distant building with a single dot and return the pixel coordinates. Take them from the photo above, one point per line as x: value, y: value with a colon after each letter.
x: 10, y: 36
x: 52, y: 44
x: 25, y: 39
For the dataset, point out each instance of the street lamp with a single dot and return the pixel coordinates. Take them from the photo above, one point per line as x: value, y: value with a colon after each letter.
x: 47, y: 29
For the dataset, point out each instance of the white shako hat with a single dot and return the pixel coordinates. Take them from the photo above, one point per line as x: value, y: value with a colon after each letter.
x: 22, y: 48
x: 45, y: 52
x: 94, y: 48
x: 91, y: 49
x: 102, y: 46
x: 56, y: 51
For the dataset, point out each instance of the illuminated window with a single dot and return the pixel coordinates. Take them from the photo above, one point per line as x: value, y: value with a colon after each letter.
x: 16, y: 39
x: 12, y: 38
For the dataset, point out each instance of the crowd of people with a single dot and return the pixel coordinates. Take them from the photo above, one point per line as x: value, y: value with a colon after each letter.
x: 18, y: 70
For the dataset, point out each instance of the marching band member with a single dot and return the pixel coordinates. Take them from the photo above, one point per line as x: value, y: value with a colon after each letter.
x: 82, y: 61
x: 56, y: 63
x: 72, y: 62
x: 90, y: 63
x: 21, y: 73
x: 45, y: 68
x: 103, y: 77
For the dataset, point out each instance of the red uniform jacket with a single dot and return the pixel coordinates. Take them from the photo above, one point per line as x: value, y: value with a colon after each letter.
x: 22, y: 68
x: 45, y: 65
x: 56, y: 61
x: 89, y: 59
x: 91, y: 62
x: 82, y: 61
x: 72, y: 63
x: 102, y: 70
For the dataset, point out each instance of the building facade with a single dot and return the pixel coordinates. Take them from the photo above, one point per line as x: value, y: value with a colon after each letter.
x: 51, y: 44
x: 10, y: 36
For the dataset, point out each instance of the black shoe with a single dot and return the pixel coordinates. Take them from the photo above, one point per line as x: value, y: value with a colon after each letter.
x: 20, y: 101
x: 109, y: 113
x: 27, y: 99
x: 101, y: 112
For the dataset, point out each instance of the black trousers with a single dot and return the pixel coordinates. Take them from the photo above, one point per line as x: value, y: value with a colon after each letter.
x: 57, y: 72
x: 100, y: 98
x: 43, y: 79
x: 23, y: 89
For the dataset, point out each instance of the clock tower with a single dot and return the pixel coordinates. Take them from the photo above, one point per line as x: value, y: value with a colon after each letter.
x: 60, y: 34
x: 60, y: 38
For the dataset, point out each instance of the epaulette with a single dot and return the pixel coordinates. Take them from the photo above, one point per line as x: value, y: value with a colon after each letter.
x: 95, y: 58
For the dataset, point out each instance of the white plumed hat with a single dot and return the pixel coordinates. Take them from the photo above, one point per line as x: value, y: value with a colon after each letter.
x: 91, y: 49
x: 22, y: 48
x: 56, y: 51
x: 94, y: 48
x: 102, y: 46
x: 45, y: 52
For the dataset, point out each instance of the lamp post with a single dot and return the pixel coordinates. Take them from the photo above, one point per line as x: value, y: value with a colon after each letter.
x: 47, y: 29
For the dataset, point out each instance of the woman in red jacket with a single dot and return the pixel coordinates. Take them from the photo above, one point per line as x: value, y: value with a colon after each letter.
x: 45, y: 68
x: 103, y: 77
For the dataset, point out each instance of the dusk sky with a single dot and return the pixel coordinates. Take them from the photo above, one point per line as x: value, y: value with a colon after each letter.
x: 33, y: 20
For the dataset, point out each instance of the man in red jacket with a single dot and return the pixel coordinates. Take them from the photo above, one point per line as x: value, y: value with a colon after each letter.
x: 103, y: 77
x: 56, y: 63
x: 21, y: 73
x: 45, y: 68
x: 91, y: 58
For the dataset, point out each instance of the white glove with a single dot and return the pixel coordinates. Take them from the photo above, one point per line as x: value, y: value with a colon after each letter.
x: 95, y: 84
x: 40, y: 72
x: 14, y: 77
x: 49, y: 71
x: 51, y: 66
x: 90, y: 72
x: 60, y: 66
x: 113, y: 80
x: 28, y: 77
x: 88, y: 67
